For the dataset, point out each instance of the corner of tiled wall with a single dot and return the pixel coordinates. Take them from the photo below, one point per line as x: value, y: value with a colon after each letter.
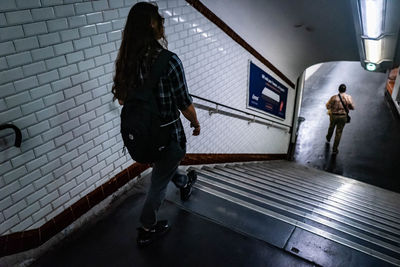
x: 56, y: 66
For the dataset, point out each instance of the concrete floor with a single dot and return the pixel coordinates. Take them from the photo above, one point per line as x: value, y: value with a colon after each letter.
x: 369, y: 144
x: 192, y: 241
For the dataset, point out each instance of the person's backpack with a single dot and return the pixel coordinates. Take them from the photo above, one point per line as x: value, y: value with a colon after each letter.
x: 143, y: 132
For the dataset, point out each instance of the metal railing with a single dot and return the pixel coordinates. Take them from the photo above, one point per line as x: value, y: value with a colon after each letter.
x: 17, y: 131
x: 250, y: 117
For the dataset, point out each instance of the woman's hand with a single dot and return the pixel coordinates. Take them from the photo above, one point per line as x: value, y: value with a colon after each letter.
x: 196, y: 130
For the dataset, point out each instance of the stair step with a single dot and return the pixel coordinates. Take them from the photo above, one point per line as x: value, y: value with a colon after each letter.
x: 352, y: 214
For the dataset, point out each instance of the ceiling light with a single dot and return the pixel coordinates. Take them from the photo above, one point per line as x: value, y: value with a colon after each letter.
x: 371, y: 66
x: 377, y: 29
x: 372, y: 14
x: 373, y: 50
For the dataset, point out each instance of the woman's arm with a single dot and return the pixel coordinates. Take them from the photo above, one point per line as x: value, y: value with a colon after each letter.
x: 190, y: 114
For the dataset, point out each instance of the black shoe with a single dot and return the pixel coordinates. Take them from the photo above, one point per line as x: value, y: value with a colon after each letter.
x: 146, y: 237
x: 186, y: 191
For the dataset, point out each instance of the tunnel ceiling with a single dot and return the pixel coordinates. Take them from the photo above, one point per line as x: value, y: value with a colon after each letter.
x: 293, y: 35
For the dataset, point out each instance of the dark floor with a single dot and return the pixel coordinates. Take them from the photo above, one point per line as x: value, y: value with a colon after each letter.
x: 370, y: 143
x: 192, y: 241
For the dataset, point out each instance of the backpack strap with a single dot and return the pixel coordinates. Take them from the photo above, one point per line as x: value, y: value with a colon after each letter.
x: 143, y: 92
x: 158, y: 67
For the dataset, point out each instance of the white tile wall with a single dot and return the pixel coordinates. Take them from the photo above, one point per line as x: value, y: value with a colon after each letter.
x: 56, y: 64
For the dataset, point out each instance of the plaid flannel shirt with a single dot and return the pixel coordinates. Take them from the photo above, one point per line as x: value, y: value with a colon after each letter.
x: 173, y: 94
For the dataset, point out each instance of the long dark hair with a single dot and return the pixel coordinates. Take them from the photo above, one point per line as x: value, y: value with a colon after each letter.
x: 138, y: 38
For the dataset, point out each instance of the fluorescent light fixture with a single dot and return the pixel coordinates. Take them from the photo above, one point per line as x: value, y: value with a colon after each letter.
x: 372, y: 14
x: 373, y: 50
x: 371, y: 66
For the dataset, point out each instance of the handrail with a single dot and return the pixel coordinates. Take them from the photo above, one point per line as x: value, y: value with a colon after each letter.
x: 18, y: 135
x: 216, y: 110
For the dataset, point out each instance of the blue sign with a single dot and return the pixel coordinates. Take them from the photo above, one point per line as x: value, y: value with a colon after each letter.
x: 266, y: 93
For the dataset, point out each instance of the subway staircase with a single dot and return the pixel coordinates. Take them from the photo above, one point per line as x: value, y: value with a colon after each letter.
x: 327, y: 219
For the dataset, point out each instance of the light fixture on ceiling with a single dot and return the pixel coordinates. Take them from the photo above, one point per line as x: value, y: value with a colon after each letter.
x: 373, y: 50
x: 377, y: 27
x: 371, y: 66
x: 372, y: 15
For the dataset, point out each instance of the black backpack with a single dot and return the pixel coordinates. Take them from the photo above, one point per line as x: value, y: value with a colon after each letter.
x: 143, y: 131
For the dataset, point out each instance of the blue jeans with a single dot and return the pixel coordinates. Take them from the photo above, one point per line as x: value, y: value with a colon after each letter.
x: 164, y: 171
